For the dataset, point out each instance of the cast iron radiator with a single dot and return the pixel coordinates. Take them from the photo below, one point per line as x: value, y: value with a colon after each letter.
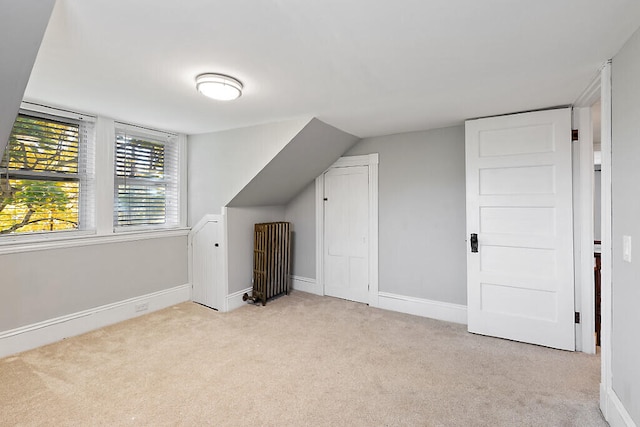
x: 271, y: 261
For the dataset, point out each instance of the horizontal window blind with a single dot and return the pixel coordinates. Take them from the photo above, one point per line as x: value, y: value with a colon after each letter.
x: 146, y: 178
x: 41, y: 145
x: 44, y: 175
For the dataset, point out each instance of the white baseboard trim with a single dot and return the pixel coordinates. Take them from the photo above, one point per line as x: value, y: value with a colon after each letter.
x: 614, y: 411
x: 423, y: 307
x: 234, y: 300
x: 52, y: 330
x: 306, y: 284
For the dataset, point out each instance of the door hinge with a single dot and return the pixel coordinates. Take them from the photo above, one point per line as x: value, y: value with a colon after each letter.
x: 574, y: 134
x: 577, y: 317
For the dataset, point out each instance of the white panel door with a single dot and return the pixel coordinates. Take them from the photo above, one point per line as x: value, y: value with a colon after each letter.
x: 206, y: 266
x: 519, y: 204
x: 346, y: 246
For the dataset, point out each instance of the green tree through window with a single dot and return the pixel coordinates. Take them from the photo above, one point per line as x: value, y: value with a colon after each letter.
x: 39, y: 181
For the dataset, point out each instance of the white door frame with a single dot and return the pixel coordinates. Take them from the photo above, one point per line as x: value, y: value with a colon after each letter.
x: 370, y: 160
x: 610, y: 404
x: 583, y: 174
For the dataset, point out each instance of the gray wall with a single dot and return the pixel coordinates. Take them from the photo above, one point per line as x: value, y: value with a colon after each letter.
x: 301, y: 213
x: 422, y: 248
x: 240, y: 222
x: 307, y: 155
x: 221, y: 164
x: 626, y: 221
x: 264, y: 165
x: 20, y: 40
x: 45, y: 284
x: 422, y: 224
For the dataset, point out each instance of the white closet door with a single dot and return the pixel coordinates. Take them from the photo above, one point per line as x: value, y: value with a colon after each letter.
x: 206, y: 264
x: 346, y: 246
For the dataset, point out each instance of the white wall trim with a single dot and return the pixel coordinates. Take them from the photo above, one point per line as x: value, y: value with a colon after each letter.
x: 583, y: 229
x: 438, y: 310
x: 370, y: 160
x: 373, y: 160
x: 224, y: 291
x: 77, y: 240
x: 320, y: 233
x: 203, y: 222
x: 613, y: 409
x: 52, y: 330
x: 104, y: 183
x: 306, y: 284
x: 363, y: 160
x: 234, y: 300
x: 591, y: 94
x: 182, y: 180
x: 51, y: 110
x: 606, y: 387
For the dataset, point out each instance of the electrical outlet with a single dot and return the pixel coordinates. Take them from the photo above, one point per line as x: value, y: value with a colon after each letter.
x: 143, y: 306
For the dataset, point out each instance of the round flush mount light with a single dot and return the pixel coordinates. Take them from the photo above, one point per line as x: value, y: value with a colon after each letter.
x: 218, y: 86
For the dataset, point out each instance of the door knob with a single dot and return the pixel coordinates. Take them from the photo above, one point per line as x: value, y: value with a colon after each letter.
x: 474, y: 242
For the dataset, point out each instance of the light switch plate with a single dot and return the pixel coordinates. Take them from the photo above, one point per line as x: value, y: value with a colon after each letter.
x: 626, y: 248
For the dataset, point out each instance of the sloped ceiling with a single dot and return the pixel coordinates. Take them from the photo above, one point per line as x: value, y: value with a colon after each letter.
x: 367, y: 67
x: 22, y: 26
x: 311, y: 152
x: 221, y: 164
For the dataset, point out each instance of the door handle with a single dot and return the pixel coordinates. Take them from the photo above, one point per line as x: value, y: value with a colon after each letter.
x: 474, y: 242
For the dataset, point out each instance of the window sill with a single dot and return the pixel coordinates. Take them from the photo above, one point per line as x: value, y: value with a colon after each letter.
x: 83, y: 239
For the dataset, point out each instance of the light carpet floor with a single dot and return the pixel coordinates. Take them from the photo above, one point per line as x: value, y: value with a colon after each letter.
x: 300, y: 360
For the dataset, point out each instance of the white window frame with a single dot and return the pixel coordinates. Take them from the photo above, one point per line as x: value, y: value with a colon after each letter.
x: 176, y: 182
x: 103, y: 231
x: 85, y: 174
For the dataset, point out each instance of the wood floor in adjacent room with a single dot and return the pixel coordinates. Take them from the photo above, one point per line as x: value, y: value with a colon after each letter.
x: 300, y: 360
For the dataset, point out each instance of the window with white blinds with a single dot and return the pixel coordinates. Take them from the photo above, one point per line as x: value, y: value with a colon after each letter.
x: 146, y: 178
x: 47, y: 175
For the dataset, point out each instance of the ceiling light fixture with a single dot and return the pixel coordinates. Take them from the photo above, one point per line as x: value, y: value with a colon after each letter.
x: 218, y: 86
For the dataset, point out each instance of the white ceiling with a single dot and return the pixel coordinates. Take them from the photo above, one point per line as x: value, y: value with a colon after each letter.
x: 368, y: 67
